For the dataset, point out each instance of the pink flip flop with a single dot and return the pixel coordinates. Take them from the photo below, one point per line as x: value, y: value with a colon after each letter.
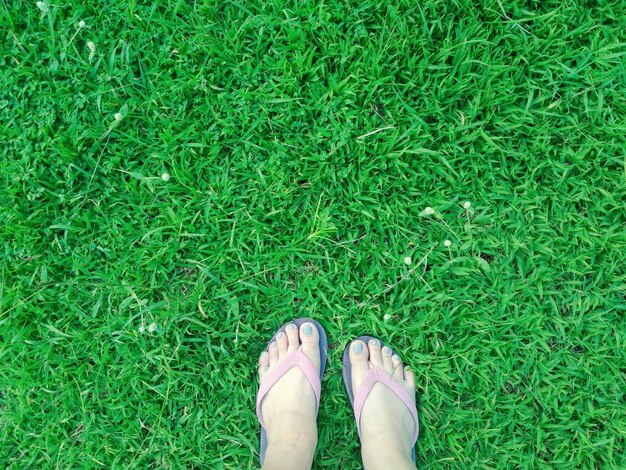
x: 374, y: 376
x: 295, y: 359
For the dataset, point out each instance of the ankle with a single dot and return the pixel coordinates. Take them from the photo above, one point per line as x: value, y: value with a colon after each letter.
x: 389, y: 441
x: 293, y: 449
x: 295, y: 438
x: 384, y: 460
x: 384, y: 452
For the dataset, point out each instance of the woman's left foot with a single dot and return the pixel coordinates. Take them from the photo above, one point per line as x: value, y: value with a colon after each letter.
x: 289, y: 408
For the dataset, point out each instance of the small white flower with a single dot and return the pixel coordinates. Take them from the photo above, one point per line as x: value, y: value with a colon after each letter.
x: 427, y: 211
x: 152, y: 328
x: 408, y: 260
x: 118, y: 117
x: 467, y: 205
x: 142, y: 329
x: 43, y: 6
x: 92, y: 50
x: 82, y: 24
x: 165, y: 177
x: 387, y: 317
x: 447, y: 243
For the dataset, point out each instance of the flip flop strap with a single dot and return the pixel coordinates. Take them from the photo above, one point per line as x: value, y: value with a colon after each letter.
x: 374, y: 376
x: 295, y: 359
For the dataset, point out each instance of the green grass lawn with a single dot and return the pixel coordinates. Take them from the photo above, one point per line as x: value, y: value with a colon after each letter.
x: 304, y: 143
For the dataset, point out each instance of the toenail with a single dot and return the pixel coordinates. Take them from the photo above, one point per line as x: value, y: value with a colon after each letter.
x: 357, y: 348
x: 280, y: 335
x: 291, y: 327
x: 396, y: 357
x: 387, y: 351
x: 273, y: 344
x: 307, y: 330
x: 374, y: 342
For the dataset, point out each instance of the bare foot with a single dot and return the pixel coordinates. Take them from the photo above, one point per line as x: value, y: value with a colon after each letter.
x: 289, y: 407
x: 386, y: 423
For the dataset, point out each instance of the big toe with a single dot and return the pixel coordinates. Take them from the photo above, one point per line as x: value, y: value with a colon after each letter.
x: 310, y: 339
x: 359, y: 356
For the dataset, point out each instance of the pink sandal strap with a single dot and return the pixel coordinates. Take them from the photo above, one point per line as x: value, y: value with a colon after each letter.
x: 295, y: 359
x: 374, y: 376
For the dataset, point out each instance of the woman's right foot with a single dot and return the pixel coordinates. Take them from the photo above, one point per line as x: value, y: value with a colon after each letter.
x: 386, y: 423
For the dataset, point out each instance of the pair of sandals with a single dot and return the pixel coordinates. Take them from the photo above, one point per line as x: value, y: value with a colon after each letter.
x: 300, y: 360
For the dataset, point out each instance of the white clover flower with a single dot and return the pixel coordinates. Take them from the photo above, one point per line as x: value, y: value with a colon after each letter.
x: 427, y: 211
x: 118, y: 117
x: 92, y: 49
x: 387, y: 317
x: 82, y: 24
x: 43, y: 6
x: 141, y: 329
x: 152, y: 328
x: 165, y: 177
x: 467, y: 205
x: 408, y: 260
x: 447, y: 243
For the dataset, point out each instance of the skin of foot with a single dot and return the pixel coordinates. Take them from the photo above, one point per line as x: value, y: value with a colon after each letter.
x: 289, y: 406
x: 386, y: 423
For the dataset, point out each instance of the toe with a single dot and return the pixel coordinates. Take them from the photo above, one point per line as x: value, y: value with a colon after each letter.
x: 281, y: 340
x: 375, y: 355
x: 387, y: 362
x: 359, y: 355
x: 398, y: 368
x: 273, y: 352
x: 309, y: 337
x: 409, y: 378
x: 292, y: 337
x: 264, y: 364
